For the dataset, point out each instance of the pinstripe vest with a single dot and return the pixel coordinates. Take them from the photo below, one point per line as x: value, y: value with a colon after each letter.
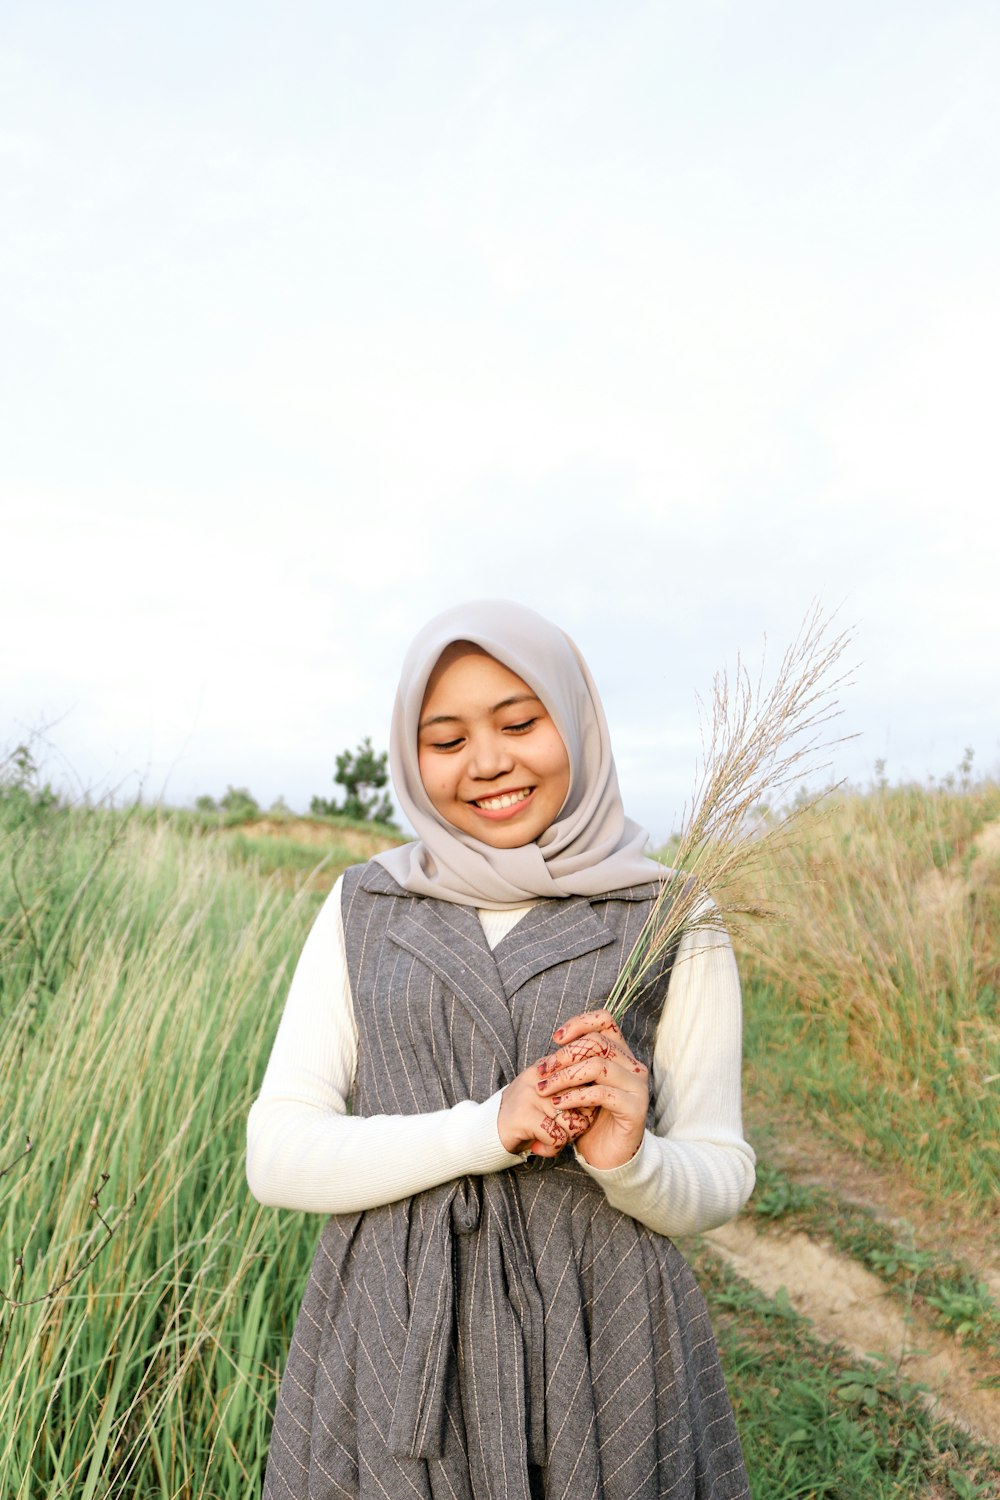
x: 469, y: 1340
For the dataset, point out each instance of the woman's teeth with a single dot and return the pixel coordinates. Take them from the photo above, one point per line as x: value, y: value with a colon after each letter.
x: 494, y: 804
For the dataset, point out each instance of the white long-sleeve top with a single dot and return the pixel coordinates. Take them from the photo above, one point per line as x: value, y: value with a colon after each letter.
x: 305, y: 1151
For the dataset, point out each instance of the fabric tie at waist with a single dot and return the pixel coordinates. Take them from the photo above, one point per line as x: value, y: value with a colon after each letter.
x: 501, y: 1323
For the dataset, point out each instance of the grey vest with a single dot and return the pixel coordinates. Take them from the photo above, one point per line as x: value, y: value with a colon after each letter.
x: 507, y: 1336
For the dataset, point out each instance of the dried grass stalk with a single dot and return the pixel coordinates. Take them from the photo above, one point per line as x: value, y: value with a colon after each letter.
x: 762, y: 746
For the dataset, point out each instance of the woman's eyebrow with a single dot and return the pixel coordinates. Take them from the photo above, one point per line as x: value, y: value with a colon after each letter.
x: 515, y: 698
x: 439, y: 719
x: 457, y: 718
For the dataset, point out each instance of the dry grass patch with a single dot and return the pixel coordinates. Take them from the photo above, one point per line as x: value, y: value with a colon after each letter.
x: 874, y: 1004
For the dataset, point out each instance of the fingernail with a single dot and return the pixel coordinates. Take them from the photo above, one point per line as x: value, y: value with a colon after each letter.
x: 559, y: 1031
x: 556, y: 1099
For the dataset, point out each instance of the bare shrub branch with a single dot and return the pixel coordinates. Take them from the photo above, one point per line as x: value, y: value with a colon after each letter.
x: 27, y: 1150
x: 13, y: 1303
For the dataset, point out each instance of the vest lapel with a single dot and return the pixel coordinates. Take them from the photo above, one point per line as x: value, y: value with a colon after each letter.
x: 552, y: 933
x: 449, y: 939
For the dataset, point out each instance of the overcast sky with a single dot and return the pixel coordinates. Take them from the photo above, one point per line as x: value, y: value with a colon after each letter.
x: 667, y: 319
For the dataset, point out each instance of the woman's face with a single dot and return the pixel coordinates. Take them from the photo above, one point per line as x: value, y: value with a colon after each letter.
x: 491, y: 759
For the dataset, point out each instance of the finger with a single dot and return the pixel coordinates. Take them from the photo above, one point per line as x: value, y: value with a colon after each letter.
x: 543, y: 1148
x: 555, y: 1133
x: 623, y: 1072
x: 552, y: 1130
x: 588, y: 1081
x: 548, y: 1109
x: 601, y: 1095
x: 576, y: 1051
x: 563, y: 1127
x: 576, y: 1121
x: 588, y: 1020
x: 587, y: 1070
x: 593, y: 1044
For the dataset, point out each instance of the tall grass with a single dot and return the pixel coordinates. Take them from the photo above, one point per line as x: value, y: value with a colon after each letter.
x: 762, y: 743
x: 142, y: 978
x: 142, y: 972
x: 876, y: 1003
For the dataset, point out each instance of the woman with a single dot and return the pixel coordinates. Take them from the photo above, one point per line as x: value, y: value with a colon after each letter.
x: 494, y: 1311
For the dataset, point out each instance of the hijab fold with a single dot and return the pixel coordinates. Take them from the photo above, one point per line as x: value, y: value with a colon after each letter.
x: 590, y: 849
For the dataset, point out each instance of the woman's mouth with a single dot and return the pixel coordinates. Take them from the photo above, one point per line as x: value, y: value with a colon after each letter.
x: 504, y: 802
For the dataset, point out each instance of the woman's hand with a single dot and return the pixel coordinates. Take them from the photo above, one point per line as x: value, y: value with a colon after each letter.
x: 593, y: 1071
x: 527, y: 1121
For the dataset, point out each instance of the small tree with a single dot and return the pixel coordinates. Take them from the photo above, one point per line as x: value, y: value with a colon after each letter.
x: 238, y: 805
x: 21, y: 792
x: 362, y: 774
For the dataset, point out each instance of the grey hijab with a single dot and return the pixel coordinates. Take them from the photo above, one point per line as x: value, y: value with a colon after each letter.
x: 591, y: 848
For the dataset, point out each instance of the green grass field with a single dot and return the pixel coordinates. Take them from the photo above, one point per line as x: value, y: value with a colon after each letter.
x: 149, y: 1301
x: 875, y: 1005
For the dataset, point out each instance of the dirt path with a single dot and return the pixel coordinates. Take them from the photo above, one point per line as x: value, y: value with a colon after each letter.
x: 788, y: 1142
x: 847, y: 1305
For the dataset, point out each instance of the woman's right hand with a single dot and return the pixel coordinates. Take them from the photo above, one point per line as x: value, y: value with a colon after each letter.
x: 529, y: 1122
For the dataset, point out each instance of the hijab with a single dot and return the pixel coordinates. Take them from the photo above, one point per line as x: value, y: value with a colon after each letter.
x: 590, y: 849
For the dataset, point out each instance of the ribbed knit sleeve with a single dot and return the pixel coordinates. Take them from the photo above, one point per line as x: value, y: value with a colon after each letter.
x: 305, y: 1151
x: 696, y: 1171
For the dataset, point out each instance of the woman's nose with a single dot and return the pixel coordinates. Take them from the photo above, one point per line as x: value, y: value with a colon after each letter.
x: 491, y: 757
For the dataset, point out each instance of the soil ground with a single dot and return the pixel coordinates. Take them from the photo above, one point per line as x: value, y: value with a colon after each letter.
x: 848, y: 1305
x: 815, y: 1162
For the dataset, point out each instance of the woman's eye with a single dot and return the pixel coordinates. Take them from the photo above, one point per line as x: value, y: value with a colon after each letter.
x: 520, y: 728
x: 445, y: 744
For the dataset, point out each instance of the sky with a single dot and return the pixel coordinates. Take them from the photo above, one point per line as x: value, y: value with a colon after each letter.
x: 671, y: 320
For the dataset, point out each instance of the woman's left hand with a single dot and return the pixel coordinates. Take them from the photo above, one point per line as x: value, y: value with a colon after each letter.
x: 594, y: 1070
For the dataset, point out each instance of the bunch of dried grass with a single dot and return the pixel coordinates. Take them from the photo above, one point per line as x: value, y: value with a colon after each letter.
x: 762, y: 745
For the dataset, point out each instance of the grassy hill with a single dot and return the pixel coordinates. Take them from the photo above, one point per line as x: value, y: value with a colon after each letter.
x: 144, y: 957
x: 318, y: 848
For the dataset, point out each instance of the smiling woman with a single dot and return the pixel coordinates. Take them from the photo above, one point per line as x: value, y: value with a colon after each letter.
x: 495, y: 1310
x: 491, y: 759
